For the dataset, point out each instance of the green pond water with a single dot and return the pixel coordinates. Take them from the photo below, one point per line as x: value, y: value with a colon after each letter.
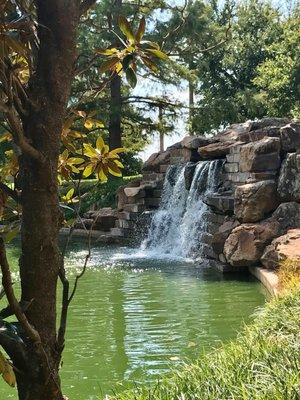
x: 135, y: 317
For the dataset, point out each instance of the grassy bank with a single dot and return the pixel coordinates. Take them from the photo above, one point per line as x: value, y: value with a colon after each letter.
x: 263, y: 363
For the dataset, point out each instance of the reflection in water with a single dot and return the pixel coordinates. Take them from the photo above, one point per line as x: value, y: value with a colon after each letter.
x: 133, y: 318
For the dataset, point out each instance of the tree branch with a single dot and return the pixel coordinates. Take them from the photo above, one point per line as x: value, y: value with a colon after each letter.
x: 12, y: 301
x: 19, y: 138
x: 10, y: 192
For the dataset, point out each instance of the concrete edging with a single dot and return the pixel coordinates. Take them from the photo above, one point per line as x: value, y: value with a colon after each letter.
x: 268, y: 278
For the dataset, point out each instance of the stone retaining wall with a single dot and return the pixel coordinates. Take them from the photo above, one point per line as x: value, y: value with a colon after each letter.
x: 257, y: 202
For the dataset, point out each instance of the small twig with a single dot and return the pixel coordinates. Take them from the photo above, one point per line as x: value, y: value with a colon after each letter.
x: 10, y: 192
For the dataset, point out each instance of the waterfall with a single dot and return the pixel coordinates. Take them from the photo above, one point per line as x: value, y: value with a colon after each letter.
x: 177, y: 226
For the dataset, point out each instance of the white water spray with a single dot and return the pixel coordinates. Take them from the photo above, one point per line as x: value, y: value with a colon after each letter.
x: 181, y: 219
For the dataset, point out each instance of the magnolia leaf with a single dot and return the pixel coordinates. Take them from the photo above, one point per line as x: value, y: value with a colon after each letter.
x: 81, y: 113
x: 75, y: 160
x: 101, y: 175
x: 88, y: 124
x: 89, y: 151
x: 65, y: 154
x: 107, y: 52
x: 100, y: 144
x: 16, y: 46
x: 117, y: 151
x: 126, y: 29
x: 70, y: 194
x: 11, y: 234
x: 118, y: 163
x: 151, y: 44
x: 114, y: 169
x: 7, y: 371
x: 127, y: 60
x: 131, y: 77
x: 150, y: 64
x: 98, y: 123
x: 5, y: 137
x: 9, y: 376
x: 158, y: 53
x: 109, y: 64
x: 141, y: 30
x: 89, y: 169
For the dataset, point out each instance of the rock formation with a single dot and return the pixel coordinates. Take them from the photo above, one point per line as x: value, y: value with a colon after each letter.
x: 256, y: 209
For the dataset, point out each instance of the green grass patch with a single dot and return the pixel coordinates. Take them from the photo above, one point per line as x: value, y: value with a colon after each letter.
x: 263, y: 363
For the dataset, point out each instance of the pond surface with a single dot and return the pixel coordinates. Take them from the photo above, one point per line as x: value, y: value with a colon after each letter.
x: 134, y: 318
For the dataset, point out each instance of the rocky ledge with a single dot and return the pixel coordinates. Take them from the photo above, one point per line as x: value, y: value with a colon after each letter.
x: 255, y: 214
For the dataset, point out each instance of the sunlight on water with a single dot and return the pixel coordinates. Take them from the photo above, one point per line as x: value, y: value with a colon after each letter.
x: 133, y: 318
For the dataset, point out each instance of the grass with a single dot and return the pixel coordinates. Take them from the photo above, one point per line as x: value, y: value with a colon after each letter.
x: 263, y: 363
x: 289, y: 274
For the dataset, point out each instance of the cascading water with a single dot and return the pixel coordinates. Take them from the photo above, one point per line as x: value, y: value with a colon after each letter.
x: 177, y: 226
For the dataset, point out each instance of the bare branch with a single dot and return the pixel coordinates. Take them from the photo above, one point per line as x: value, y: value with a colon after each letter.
x: 19, y: 137
x: 12, y: 301
x: 10, y: 192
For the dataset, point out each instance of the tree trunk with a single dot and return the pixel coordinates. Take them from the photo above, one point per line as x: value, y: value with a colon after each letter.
x: 161, y: 132
x: 191, y: 100
x: 191, y: 107
x: 115, y: 130
x: 48, y: 90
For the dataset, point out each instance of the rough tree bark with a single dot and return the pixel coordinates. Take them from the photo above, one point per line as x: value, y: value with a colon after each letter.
x: 37, y: 361
x: 115, y: 129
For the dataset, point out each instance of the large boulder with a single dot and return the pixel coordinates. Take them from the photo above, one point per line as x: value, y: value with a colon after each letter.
x: 222, y: 234
x: 103, y: 219
x: 156, y: 159
x: 222, y: 203
x: 235, y: 132
x: 289, y: 178
x: 254, y: 201
x: 262, y: 155
x: 246, y: 243
x: 122, y: 199
x: 282, y: 248
x: 193, y: 142
x: 216, y: 150
x: 288, y: 216
x: 268, y: 122
x: 290, y: 137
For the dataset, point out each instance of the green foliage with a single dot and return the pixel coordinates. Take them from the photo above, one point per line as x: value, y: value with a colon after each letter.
x: 226, y: 90
x: 261, y: 364
x: 278, y: 77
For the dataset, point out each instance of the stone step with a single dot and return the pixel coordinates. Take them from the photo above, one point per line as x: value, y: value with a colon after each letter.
x: 122, y: 223
x: 134, y: 208
x: 221, y: 203
x: 117, y: 232
x: 152, y: 202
